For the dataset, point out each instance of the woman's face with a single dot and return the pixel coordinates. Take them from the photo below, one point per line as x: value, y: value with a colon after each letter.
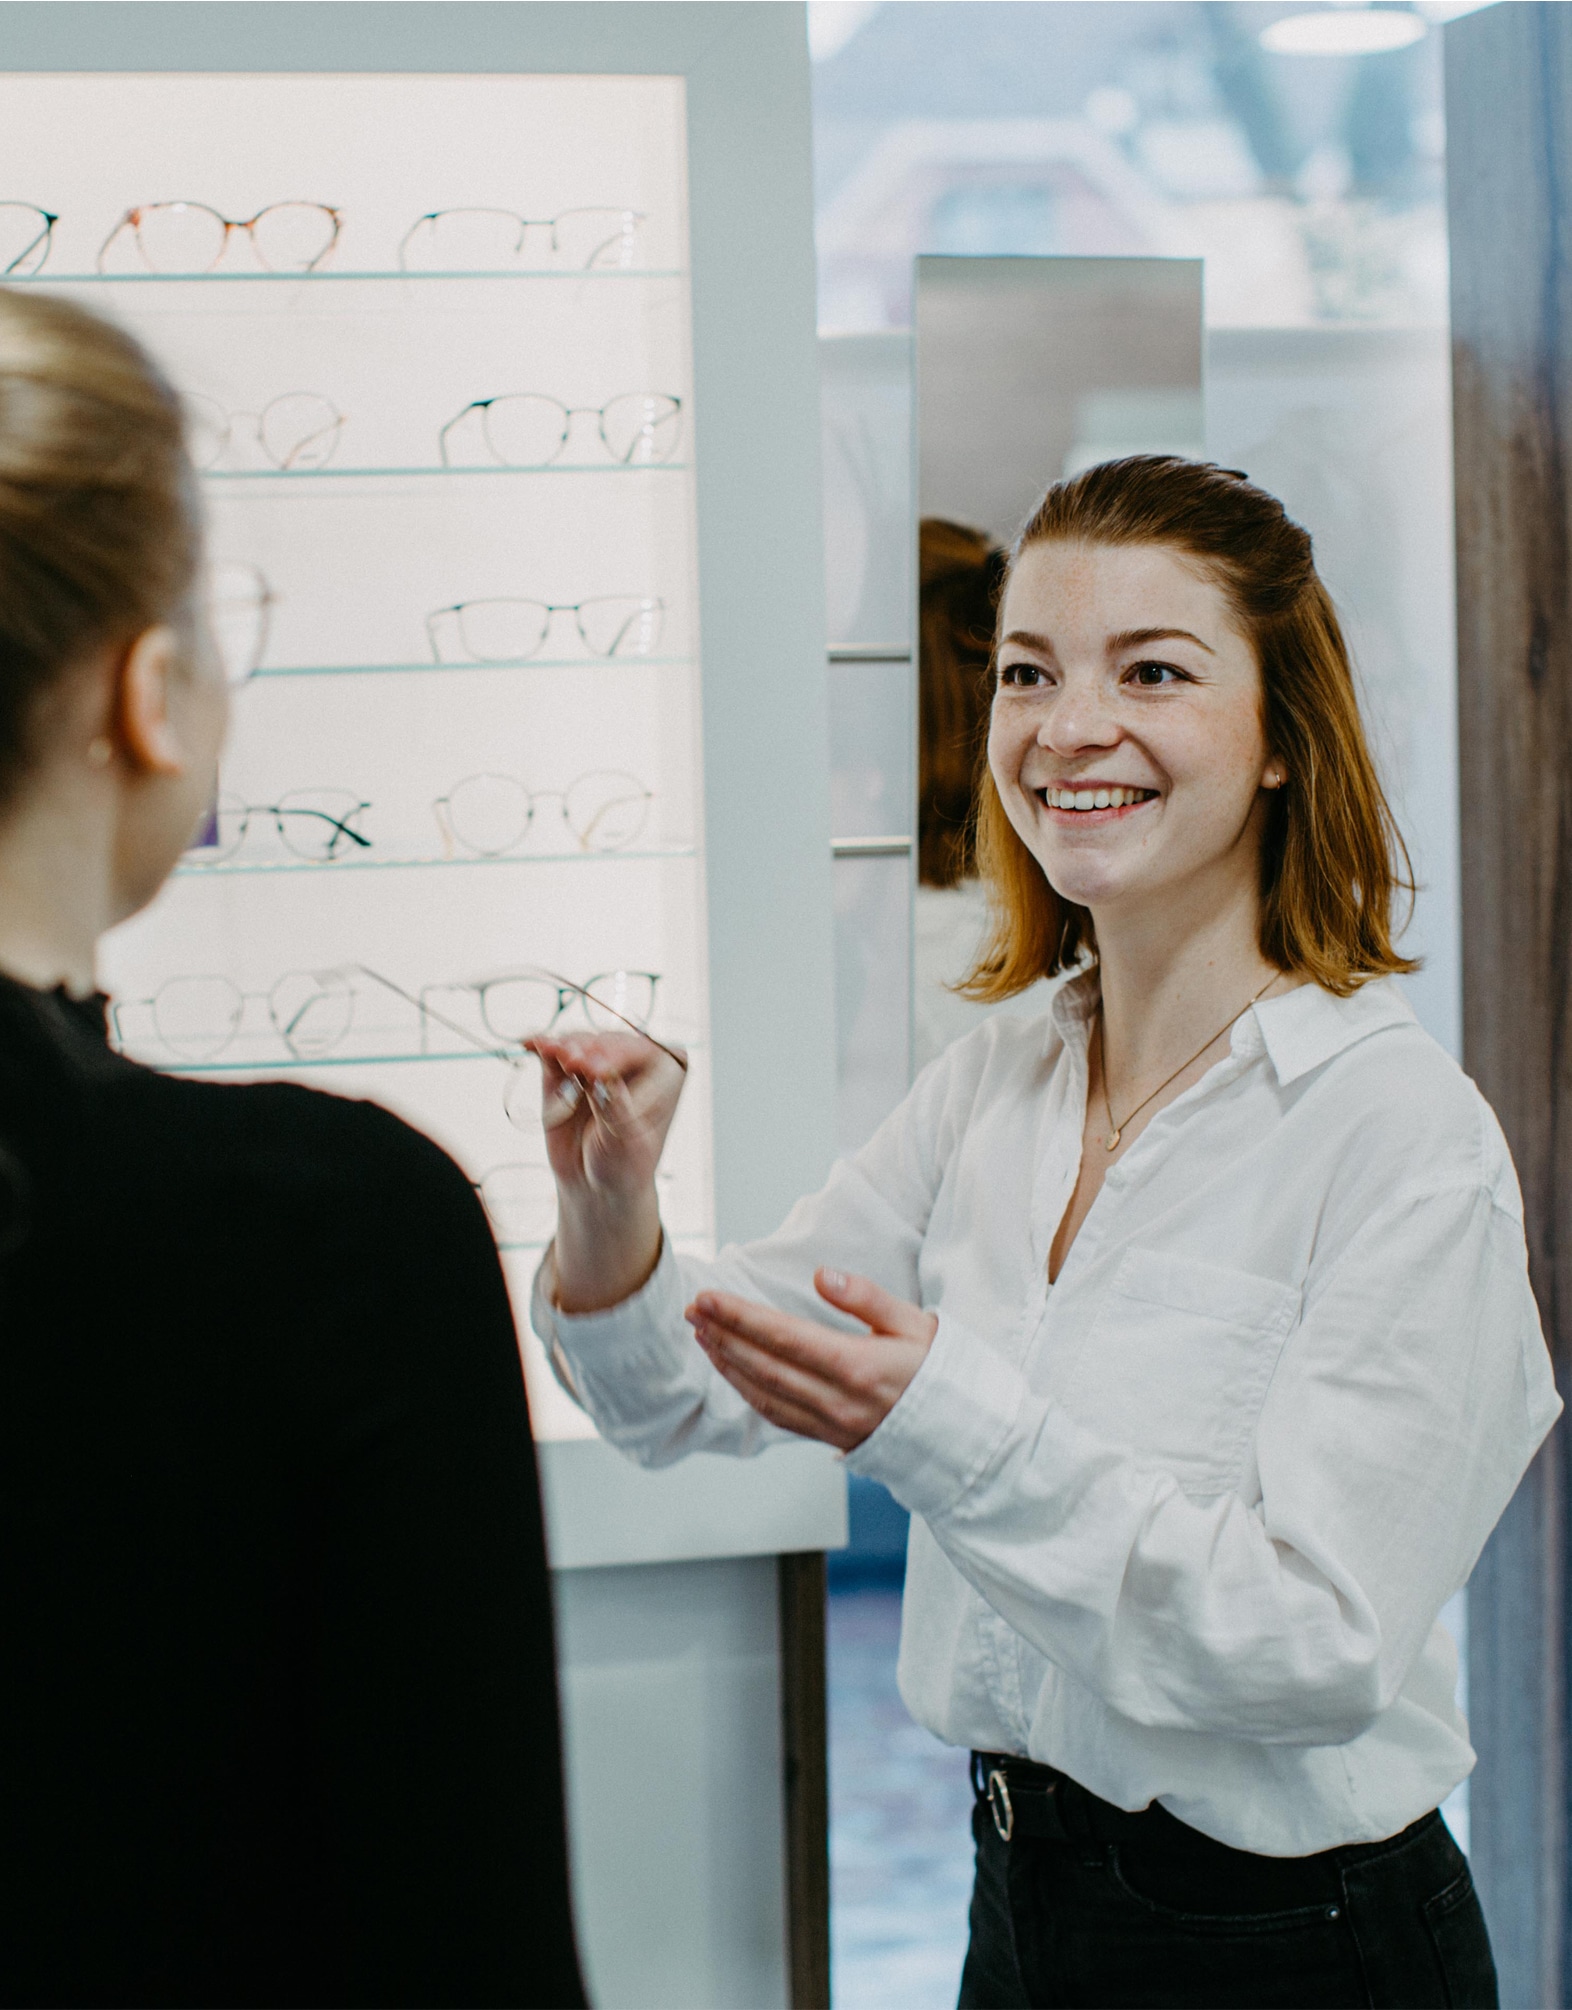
x: 1126, y: 739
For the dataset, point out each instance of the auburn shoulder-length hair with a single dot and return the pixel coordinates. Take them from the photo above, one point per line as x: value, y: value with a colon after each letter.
x: 1332, y: 857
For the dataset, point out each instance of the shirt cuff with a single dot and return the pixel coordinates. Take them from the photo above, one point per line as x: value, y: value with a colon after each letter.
x: 607, y: 1342
x: 948, y: 1426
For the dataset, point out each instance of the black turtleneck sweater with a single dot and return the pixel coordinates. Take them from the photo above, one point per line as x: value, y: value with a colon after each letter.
x: 278, y: 1715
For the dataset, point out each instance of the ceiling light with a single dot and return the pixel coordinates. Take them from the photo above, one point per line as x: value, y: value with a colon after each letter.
x: 1342, y: 31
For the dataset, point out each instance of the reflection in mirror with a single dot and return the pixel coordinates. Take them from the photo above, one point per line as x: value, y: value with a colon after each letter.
x: 1027, y: 370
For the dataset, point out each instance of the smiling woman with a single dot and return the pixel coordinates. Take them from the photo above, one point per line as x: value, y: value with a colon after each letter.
x: 1190, y: 1320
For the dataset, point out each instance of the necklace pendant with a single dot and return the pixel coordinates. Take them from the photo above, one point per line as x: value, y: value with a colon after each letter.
x: 1111, y: 1142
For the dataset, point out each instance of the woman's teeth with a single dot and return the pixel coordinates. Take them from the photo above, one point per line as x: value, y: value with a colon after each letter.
x: 1094, y: 799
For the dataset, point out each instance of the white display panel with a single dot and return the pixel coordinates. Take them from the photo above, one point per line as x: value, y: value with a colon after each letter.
x: 366, y: 519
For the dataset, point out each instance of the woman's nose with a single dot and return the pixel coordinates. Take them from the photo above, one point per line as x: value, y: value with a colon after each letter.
x: 1077, y: 719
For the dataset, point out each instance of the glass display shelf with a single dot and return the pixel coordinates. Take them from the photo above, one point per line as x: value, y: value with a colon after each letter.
x: 272, y: 1066
x: 428, y: 668
x: 359, y: 862
x: 371, y: 278
x: 305, y: 477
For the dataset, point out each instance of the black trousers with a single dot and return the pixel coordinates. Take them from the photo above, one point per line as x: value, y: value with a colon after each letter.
x: 1142, y: 1910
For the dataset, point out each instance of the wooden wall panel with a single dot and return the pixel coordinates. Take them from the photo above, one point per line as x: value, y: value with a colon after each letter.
x: 1509, y: 154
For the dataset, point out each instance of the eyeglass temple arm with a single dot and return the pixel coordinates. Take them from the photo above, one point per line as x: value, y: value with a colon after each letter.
x: 475, y: 405
x: 426, y: 1012
x: 130, y: 218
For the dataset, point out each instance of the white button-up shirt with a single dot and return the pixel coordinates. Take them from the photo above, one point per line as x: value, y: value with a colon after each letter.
x: 1183, y: 1522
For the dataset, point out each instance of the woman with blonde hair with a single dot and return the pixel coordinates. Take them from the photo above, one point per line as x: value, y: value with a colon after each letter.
x: 279, y: 1703
x: 1191, y: 1321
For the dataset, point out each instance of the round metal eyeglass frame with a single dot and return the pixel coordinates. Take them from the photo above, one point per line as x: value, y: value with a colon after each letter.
x: 310, y: 442
x: 656, y: 433
x: 604, y: 810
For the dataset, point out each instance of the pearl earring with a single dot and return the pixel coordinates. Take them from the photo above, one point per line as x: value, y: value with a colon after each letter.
x: 100, y: 751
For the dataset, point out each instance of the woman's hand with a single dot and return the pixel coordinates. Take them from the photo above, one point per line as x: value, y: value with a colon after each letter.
x: 812, y: 1379
x: 607, y: 1102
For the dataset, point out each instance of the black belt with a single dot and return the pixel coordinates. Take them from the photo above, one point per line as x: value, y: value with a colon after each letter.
x: 1041, y: 1804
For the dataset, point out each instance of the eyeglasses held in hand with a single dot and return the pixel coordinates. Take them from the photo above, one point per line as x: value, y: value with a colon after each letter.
x: 26, y: 233
x: 491, y: 815
x: 296, y: 431
x: 188, y: 237
x: 520, y: 1088
x: 516, y: 1005
x: 239, y: 610
x: 315, y: 824
x: 512, y: 631
x: 195, y: 1018
x: 528, y: 430
x: 497, y: 240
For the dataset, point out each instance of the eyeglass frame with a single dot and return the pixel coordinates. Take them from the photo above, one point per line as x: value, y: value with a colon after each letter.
x: 134, y: 216
x: 278, y: 811
x: 266, y: 601
x: 569, y: 414
x: 566, y: 990
x: 318, y: 977
x: 45, y: 237
x: 340, y: 420
x: 525, y: 223
x: 442, y: 810
x: 573, y: 607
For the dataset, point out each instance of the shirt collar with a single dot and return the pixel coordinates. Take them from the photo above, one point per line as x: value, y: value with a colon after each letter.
x: 1299, y: 1031
x: 1305, y: 1027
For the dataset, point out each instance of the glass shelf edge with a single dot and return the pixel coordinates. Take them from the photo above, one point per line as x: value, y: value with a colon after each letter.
x: 320, y: 475
x: 267, y: 675
x: 324, y: 278
x: 284, y: 1070
x: 643, y: 855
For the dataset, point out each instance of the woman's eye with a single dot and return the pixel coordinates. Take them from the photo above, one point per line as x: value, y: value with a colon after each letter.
x: 1022, y: 675
x: 1152, y: 676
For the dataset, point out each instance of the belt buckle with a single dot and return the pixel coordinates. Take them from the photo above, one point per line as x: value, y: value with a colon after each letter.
x: 999, y: 1797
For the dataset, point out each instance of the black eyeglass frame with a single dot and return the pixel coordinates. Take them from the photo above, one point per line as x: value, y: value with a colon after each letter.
x: 45, y: 237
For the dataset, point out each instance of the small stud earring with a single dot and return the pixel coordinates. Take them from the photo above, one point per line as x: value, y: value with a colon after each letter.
x: 100, y: 751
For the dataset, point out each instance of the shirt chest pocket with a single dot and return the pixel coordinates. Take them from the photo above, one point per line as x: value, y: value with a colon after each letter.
x: 1177, y: 1361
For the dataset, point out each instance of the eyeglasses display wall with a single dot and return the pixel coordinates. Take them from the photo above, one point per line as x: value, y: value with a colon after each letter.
x: 434, y: 335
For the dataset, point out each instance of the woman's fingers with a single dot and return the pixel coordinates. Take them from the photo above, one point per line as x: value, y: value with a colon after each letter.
x: 873, y: 1305
x: 779, y: 1410
x: 805, y: 1377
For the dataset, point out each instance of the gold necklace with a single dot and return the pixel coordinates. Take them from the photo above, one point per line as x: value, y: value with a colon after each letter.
x: 1116, y: 1131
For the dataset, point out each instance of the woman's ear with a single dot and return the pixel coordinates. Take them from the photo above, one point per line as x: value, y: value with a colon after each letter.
x: 1275, y: 774
x: 149, y: 739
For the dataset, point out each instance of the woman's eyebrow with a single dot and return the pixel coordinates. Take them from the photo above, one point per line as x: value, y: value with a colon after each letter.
x: 1028, y: 640
x: 1136, y: 638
